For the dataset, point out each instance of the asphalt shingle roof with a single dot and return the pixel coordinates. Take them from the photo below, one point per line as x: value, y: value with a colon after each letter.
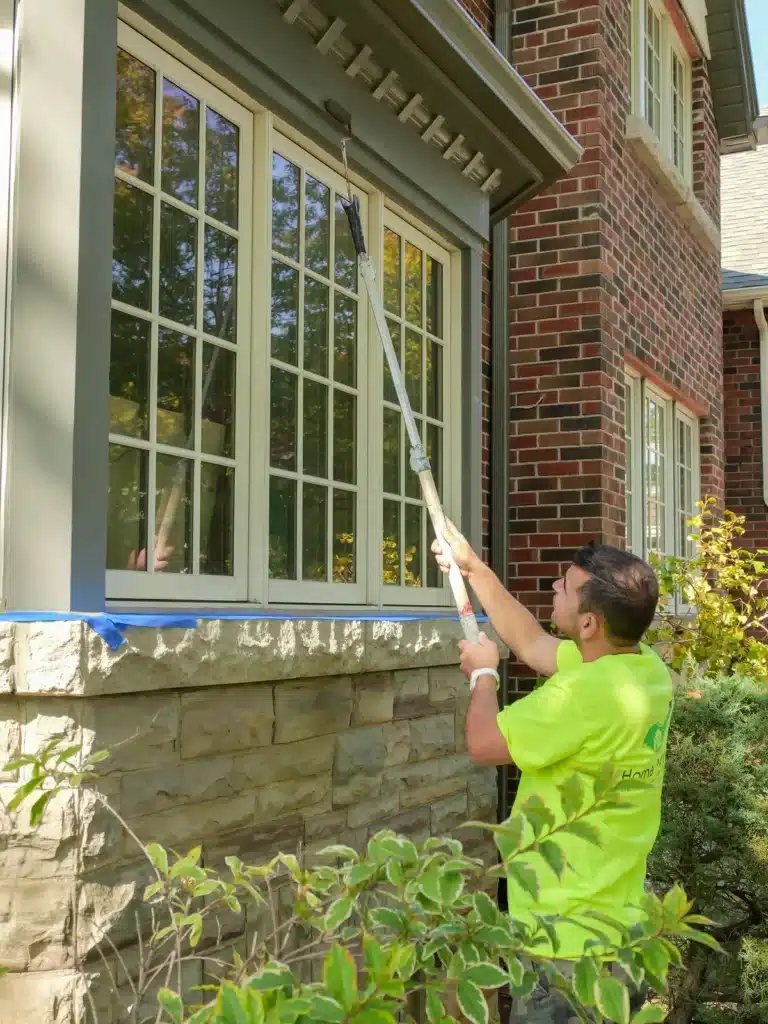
x: 744, y: 213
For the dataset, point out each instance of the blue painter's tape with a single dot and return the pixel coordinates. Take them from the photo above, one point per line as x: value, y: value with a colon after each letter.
x: 111, y: 628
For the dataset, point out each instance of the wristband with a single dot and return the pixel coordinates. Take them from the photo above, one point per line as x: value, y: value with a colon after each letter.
x: 483, y: 672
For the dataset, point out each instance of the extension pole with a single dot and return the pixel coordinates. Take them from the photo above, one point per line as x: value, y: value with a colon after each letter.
x: 419, y: 460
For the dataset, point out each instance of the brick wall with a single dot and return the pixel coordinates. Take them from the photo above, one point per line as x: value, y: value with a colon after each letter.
x: 743, y: 437
x: 602, y: 266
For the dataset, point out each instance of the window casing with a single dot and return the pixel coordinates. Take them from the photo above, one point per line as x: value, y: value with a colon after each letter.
x: 662, y: 470
x: 661, y: 82
x: 248, y: 391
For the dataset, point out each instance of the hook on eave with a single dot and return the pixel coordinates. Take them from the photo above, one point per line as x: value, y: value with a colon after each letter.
x: 344, y: 118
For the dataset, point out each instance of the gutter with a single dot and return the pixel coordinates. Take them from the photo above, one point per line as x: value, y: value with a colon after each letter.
x: 762, y: 326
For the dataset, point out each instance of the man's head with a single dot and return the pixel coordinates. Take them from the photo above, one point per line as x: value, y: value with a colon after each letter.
x: 606, y: 594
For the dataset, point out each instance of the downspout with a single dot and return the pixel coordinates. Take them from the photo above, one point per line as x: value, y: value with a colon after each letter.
x: 499, y: 427
x: 762, y: 326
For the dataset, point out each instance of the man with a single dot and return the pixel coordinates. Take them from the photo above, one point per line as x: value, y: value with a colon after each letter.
x: 607, y: 698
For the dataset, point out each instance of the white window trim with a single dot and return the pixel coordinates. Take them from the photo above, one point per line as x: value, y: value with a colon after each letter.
x: 250, y: 585
x: 669, y: 41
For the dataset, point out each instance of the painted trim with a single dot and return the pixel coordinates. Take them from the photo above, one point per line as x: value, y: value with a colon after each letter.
x: 472, y: 395
x: 762, y: 326
x: 700, y: 409
x: 744, y: 298
x: 695, y: 47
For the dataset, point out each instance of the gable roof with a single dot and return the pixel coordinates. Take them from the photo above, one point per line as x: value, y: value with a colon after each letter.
x: 744, y: 214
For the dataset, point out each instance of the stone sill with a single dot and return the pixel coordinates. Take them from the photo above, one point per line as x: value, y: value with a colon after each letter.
x: 68, y: 658
x: 676, y: 189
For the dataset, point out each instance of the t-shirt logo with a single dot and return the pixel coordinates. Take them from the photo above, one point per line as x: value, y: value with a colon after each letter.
x: 656, y: 735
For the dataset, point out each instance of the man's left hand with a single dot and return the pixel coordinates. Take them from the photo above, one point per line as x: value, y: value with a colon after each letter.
x: 484, y: 654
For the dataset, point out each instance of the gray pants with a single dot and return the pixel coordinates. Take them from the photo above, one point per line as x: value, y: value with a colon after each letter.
x: 548, y: 1006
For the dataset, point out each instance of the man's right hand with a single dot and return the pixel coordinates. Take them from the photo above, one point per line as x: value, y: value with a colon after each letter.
x: 466, y: 559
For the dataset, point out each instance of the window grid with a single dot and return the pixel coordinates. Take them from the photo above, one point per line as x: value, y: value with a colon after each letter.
x: 679, y: 131
x: 685, y: 500
x: 655, y: 491
x: 653, y: 70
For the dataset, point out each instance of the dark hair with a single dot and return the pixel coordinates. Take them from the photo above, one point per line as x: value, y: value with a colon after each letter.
x: 622, y: 589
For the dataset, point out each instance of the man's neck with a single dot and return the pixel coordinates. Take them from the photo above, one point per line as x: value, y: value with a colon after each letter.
x: 591, y: 650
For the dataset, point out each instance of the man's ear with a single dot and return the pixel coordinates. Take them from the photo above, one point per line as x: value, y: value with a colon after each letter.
x: 590, y: 626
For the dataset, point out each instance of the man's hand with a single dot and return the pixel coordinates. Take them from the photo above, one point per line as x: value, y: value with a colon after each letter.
x: 484, y: 654
x: 140, y: 561
x: 466, y: 559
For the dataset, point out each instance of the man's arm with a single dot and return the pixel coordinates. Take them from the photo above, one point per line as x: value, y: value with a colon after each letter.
x: 485, y: 743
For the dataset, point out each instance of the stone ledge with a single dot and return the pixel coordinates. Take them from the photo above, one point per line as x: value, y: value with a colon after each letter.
x: 677, y: 190
x: 69, y: 658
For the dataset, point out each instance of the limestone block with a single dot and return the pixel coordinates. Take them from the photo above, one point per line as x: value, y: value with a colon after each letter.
x: 101, y: 834
x: 191, y: 824
x: 315, y: 708
x: 434, y: 736
x: 255, y: 845
x: 286, y: 797
x: 425, y: 781
x: 48, y: 657
x: 446, y: 685
x: 46, y: 851
x: 358, y: 787
x: 411, y: 694
x: 44, y: 719
x: 369, y: 811
x: 371, y: 749
x: 373, y: 699
x: 413, y: 823
x: 282, y: 763
x: 36, y: 918
x: 137, y: 731
x: 193, y: 782
x: 447, y: 814
x: 321, y: 827
x: 52, y: 997
x: 111, y: 908
x: 483, y: 793
x: 7, y: 656
x: 226, y: 719
x: 10, y: 735
x: 413, y: 644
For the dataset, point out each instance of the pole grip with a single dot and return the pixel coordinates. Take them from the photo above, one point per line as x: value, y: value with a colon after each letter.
x: 352, y: 210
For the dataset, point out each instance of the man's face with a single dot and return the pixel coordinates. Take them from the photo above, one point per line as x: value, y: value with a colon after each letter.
x: 565, y: 609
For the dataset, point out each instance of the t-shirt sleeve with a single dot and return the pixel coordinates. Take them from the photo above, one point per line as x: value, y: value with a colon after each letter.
x: 547, y: 726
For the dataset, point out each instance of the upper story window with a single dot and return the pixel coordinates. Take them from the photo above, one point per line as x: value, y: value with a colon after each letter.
x: 662, y: 470
x: 661, y: 81
x: 256, y: 449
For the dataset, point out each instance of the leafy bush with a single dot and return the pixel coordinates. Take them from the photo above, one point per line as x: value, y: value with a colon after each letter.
x: 387, y: 934
x: 724, y: 629
x: 714, y: 840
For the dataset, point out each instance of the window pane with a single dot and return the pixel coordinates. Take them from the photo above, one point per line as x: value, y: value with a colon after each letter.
x: 220, y: 284
x: 434, y: 296
x: 317, y: 225
x: 218, y: 401
x: 392, y: 272
x: 178, y: 265
x: 391, y: 543
x: 344, y: 437
x: 175, y: 388
x: 413, y: 343
x: 283, y: 419
x: 129, y: 376
x: 392, y: 451
x: 434, y: 380
x: 282, y: 529
x: 315, y: 429
x: 181, y: 144
x: 316, y: 326
x: 217, y: 520
x: 222, y: 142
x: 315, y: 533
x: 127, y: 508
x: 345, y: 265
x: 413, y: 284
x: 344, y: 537
x: 285, y: 312
x: 132, y: 246
x: 135, y: 138
x: 390, y: 395
x: 285, y: 207
x: 344, y: 339
x: 173, y: 514
x: 413, y: 545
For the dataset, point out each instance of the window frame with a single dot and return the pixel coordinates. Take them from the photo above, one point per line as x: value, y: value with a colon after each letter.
x: 251, y: 584
x: 671, y: 46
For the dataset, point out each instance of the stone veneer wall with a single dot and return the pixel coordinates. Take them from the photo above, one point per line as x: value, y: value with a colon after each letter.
x: 246, y: 737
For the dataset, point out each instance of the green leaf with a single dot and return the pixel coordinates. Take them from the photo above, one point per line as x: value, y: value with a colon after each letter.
x: 290, y: 1010
x: 450, y: 886
x: 650, y: 1015
x: 554, y: 856
x: 272, y: 978
x: 67, y: 752
x: 384, y: 917
x: 186, y: 868
x: 702, y: 938
x: 486, y: 975
x: 202, y: 1016
x: 371, y: 1015
x: 429, y: 885
x: 472, y: 1002
x: 676, y: 903
x: 340, y: 976
x: 584, y: 831
x: 511, y: 832
x: 435, y: 1008
x: 172, y: 1004
x: 338, y: 913
x: 374, y: 957
x: 195, y: 924
x: 539, y: 815
x: 585, y: 977
x: 605, y: 779
x: 340, y: 852
x: 361, y: 874
x: 494, y: 935
x: 394, y: 873
x: 231, y: 1008
x: 656, y: 958
x: 526, y: 878
x: 612, y: 1000
x: 486, y: 909
x: 159, y: 857
x: 98, y: 757
x: 194, y: 854
x: 572, y: 795
x: 23, y: 792
x: 327, y: 1010
x: 38, y: 807
x: 205, y: 888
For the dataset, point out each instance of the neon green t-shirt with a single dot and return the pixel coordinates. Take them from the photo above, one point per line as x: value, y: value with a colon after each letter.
x: 615, y: 709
